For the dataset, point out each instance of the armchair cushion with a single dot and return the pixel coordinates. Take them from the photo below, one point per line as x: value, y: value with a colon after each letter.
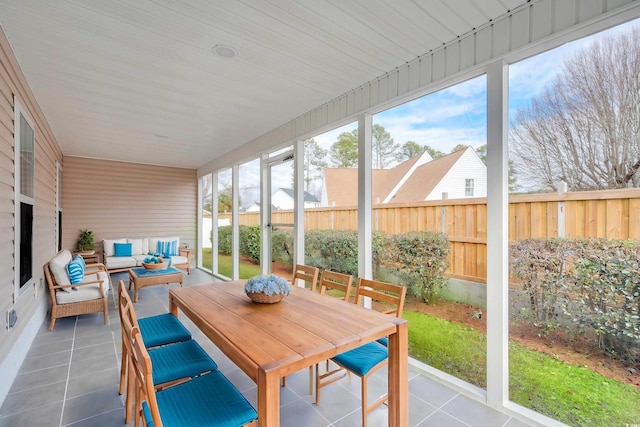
x: 58, y: 266
x: 86, y: 292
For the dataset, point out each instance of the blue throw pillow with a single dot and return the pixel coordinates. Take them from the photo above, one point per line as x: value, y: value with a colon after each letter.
x: 81, y: 261
x: 122, y: 249
x: 168, y: 249
x: 75, y: 270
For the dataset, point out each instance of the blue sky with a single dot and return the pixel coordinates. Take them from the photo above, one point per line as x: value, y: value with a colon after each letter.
x: 457, y: 115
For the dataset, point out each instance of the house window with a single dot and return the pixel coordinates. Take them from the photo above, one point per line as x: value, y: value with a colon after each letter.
x: 24, y: 189
x: 468, y: 187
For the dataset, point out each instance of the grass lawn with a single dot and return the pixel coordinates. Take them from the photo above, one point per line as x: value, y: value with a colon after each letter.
x: 224, y: 265
x: 568, y: 393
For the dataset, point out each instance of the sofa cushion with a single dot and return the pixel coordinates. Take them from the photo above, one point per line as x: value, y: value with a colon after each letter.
x: 117, y: 262
x: 75, y: 270
x: 108, y: 248
x: 168, y: 248
x: 178, y: 259
x: 139, y: 259
x: 136, y: 246
x: 122, y: 249
x: 58, y: 267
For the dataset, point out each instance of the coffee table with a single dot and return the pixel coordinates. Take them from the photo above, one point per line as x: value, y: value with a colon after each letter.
x: 141, y: 277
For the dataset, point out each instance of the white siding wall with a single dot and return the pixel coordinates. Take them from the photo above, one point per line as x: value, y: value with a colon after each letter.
x: 468, y: 166
x: 32, y: 305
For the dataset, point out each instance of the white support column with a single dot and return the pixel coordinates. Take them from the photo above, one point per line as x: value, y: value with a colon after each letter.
x: 365, y: 225
x: 199, y: 227
x: 214, y: 222
x: 298, y: 208
x: 235, y: 219
x: 265, y: 216
x: 497, y: 235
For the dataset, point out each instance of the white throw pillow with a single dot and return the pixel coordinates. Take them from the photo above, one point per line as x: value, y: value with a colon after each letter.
x: 136, y: 246
x: 108, y: 248
x: 58, y: 267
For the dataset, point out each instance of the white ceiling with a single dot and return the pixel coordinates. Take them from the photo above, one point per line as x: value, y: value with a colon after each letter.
x: 137, y: 80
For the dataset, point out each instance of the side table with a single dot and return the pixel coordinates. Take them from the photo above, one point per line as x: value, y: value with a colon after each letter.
x: 90, y: 258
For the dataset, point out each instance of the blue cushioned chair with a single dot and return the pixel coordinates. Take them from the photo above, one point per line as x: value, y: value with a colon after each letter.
x: 367, y: 359
x: 308, y: 275
x: 387, y: 298
x: 208, y: 400
x: 182, y: 359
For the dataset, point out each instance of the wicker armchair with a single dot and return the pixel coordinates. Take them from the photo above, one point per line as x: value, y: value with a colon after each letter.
x: 90, y: 296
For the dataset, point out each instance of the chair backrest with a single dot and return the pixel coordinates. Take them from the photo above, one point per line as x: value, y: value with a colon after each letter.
x: 390, y: 297
x: 338, y: 281
x: 307, y: 274
x: 145, y: 389
x: 125, y: 305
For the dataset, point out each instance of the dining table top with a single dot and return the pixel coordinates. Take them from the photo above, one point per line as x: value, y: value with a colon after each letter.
x: 275, y: 340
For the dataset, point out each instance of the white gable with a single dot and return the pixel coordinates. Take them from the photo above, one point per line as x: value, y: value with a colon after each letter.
x: 468, y: 166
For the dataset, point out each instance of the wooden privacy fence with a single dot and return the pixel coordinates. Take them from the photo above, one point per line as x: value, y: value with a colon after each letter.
x: 611, y: 214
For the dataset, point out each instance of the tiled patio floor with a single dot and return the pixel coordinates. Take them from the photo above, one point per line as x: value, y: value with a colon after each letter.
x: 70, y: 378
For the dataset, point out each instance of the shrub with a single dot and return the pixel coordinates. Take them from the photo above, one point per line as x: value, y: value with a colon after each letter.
x: 539, y: 265
x: 421, y: 258
x: 596, y: 283
x: 250, y: 242
x: 605, y: 293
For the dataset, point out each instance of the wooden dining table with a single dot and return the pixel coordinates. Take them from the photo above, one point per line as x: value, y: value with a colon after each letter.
x: 270, y: 341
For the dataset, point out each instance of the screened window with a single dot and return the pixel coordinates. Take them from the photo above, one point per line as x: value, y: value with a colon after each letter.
x: 25, y: 189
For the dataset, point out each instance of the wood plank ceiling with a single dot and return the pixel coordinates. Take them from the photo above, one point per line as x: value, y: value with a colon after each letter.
x: 138, y: 81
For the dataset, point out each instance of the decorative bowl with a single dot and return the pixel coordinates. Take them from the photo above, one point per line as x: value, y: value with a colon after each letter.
x: 262, y: 298
x: 160, y: 265
x: 267, y: 289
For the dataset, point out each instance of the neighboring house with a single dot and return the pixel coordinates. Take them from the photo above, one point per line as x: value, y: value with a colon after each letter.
x: 461, y: 174
x: 255, y: 207
x: 282, y: 199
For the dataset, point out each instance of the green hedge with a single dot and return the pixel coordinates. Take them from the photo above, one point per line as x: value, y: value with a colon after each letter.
x: 595, y: 283
x: 419, y: 259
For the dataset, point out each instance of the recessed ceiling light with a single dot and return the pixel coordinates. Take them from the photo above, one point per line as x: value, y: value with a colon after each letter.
x: 224, y: 51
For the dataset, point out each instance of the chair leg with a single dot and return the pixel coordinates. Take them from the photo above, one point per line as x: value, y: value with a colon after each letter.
x: 365, y: 402
x: 123, y: 369
x: 311, y: 380
x: 52, y: 323
x: 127, y: 401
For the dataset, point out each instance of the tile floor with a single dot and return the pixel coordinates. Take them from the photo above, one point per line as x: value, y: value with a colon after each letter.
x: 70, y: 378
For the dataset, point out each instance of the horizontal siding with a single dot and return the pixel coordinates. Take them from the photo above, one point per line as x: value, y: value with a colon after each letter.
x: 116, y: 199
x: 47, y: 152
x: 533, y: 23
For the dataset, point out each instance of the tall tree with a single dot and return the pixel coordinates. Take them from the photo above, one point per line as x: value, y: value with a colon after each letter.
x: 410, y: 149
x: 585, y: 128
x: 383, y: 148
x: 315, y: 160
x: 513, y: 181
x: 344, y: 152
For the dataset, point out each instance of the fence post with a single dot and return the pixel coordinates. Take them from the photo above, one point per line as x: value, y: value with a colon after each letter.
x: 562, y: 188
x: 445, y: 196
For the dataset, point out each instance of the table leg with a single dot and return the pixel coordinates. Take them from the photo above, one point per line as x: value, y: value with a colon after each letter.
x: 268, y: 398
x: 173, y: 308
x: 399, y: 377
